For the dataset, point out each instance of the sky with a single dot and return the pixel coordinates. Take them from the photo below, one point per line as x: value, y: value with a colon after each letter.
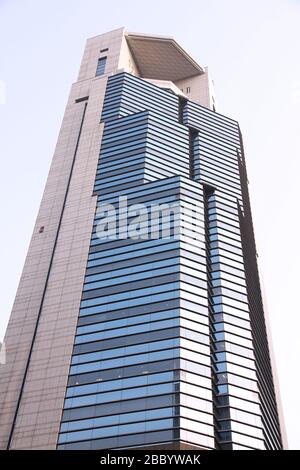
x: 252, y: 50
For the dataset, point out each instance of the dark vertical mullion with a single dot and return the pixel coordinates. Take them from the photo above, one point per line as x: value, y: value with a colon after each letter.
x: 182, y: 102
x: 193, y: 133
x: 219, y: 402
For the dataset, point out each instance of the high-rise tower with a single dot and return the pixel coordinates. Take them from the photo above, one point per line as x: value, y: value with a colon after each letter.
x: 139, y: 320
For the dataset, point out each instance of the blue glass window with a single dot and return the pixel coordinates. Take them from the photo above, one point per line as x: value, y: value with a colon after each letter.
x: 101, y: 66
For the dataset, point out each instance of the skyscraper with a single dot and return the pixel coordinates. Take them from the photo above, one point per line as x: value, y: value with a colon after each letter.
x: 139, y: 320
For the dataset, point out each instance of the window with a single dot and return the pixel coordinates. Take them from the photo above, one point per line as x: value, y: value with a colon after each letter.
x: 124, y: 394
x: 130, y: 360
x: 118, y: 419
x: 222, y: 389
x: 188, y: 89
x: 101, y: 66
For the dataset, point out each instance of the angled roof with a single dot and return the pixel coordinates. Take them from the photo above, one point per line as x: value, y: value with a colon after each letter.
x: 161, y: 57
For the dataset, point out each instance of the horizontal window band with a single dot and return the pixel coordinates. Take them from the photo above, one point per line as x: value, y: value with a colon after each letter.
x: 128, y: 98
x: 124, y: 418
x: 152, y: 312
x: 121, y: 407
x: 97, y: 388
x: 145, y: 251
x: 209, y: 114
x: 179, y: 182
x: 198, y: 120
x: 137, y: 418
x: 191, y: 345
x: 79, y: 100
x: 189, y: 329
x: 121, y: 94
x: 133, y: 405
x: 127, y: 331
x: 111, y: 189
x: 124, y: 372
x: 137, y: 392
x: 133, y: 311
x: 111, y: 431
x: 118, y: 384
x: 162, y: 411
x: 147, y: 282
x: 118, y: 138
x: 113, y: 331
x: 210, y: 129
x: 134, y: 339
x: 144, y: 296
x: 138, y: 339
x: 197, y: 278
x: 98, y: 381
x: 129, y: 441
x: 220, y: 141
x: 134, y: 349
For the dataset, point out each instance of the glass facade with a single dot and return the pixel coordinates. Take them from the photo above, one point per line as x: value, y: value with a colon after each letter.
x: 168, y: 344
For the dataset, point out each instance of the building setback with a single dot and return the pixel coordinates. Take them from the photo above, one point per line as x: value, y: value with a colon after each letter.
x: 135, y: 341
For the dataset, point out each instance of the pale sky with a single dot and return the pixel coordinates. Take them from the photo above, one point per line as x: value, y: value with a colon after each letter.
x: 252, y: 50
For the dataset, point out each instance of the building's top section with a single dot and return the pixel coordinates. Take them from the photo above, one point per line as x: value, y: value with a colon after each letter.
x: 161, y: 57
x: 155, y: 58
